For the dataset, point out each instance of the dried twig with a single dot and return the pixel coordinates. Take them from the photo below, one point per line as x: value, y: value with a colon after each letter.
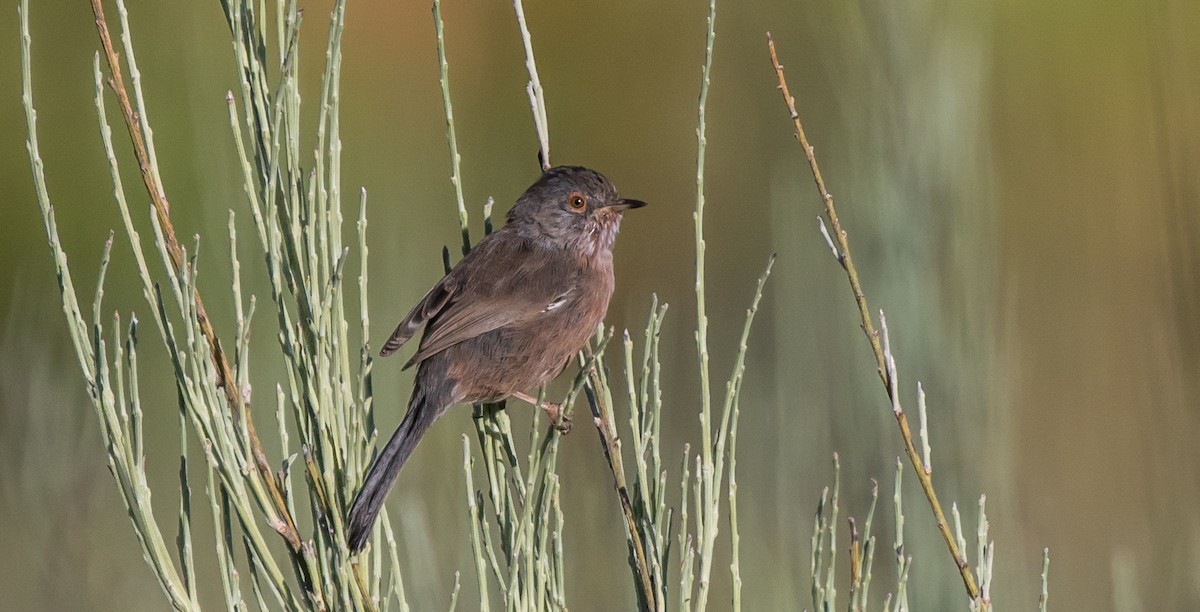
x: 537, y: 99
x: 602, y: 414
x: 884, y: 363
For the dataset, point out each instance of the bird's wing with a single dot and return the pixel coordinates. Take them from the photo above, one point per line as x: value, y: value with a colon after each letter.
x: 433, y: 302
x: 439, y: 297
x: 499, y: 283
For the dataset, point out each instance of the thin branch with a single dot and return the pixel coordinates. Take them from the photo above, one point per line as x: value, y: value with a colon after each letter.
x: 884, y: 362
x: 612, y: 453
x: 855, y: 565
x: 451, y: 136
x: 708, y: 476
x: 537, y: 99
x: 1045, y: 596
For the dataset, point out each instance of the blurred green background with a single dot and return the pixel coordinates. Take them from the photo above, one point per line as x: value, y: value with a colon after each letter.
x: 1020, y: 184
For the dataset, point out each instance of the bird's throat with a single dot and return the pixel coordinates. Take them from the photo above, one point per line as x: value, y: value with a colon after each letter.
x: 596, y: 242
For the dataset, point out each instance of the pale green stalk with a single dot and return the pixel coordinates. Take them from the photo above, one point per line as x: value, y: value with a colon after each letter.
x: 985, y: 550
x: 135, y: 76
x: 902, y: 587
x: 958, y: 530
x: 299, y: 228
x: 735, y: 538
x: 184, y: 539
x: 366, y: 411
x: 686, y: 546
x: 816, y: 561
x: 730, y: 423
x: 454, y: 594
x: 824, y: 542
x: 649, y: 498
x: 706, y: 519
x: 926, y: 451
x: 396, y: 578
x: 128, y: 471
x: 903, y: 560
x: 1045, y: 596
x: 223, y: 542
x: 537, y: 99
x: 868, y: 554
x: 455, y: 158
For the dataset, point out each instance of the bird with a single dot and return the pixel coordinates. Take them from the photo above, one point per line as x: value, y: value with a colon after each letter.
x: 507, y: 318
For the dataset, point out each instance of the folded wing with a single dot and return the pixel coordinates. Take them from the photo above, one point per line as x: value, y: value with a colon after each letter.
x: 491, y: 295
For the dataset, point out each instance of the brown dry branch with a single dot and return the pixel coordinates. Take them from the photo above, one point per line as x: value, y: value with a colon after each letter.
x: 602, y: 414
x: 855, y: 562
x: 279, y: 516
x: 886, y: 368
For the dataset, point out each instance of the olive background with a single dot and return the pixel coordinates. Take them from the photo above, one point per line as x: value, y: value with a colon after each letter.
x: 1018, y: 179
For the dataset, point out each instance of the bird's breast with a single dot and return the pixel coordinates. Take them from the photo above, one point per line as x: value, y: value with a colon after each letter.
x: 523, y: 355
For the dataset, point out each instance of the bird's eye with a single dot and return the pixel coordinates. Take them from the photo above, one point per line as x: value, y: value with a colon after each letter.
x: 576, y: 201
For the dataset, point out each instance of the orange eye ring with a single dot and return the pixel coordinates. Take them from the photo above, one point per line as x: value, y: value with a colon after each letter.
x: 577, y: 202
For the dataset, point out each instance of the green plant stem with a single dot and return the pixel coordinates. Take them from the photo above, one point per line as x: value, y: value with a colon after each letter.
x: 1045, y: 595
x: 602, y: 414
x: 451, y: 136
x: 281, y: 519
x: 707, y: 511
x: 730, y: 418
x: 537, y: 99
x: 127, y: 468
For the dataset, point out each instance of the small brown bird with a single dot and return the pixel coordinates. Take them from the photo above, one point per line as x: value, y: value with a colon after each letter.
x: 507, y: 318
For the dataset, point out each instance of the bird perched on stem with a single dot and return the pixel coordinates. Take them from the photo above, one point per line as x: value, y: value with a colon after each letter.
x: 507, y: 318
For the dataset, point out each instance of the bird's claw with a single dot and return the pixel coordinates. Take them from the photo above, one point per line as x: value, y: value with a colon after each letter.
x: 563, y: 425
x: 560, y: 421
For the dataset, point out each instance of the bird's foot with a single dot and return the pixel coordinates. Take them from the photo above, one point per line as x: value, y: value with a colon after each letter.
x: 558, y: 420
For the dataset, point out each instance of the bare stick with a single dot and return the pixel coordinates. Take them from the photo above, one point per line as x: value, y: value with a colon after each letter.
x: 612, y: 454
x: 885, y: 365
x: 537, y: 100
x: 455, y: 158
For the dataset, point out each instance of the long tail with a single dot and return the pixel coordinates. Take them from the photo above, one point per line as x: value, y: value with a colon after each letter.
x: 382, y: 475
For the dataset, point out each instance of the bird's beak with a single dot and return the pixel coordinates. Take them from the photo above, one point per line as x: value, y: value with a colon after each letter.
x: 625, y: 203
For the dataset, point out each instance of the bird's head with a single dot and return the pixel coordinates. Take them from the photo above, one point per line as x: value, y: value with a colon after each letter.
x: 572, y: 207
